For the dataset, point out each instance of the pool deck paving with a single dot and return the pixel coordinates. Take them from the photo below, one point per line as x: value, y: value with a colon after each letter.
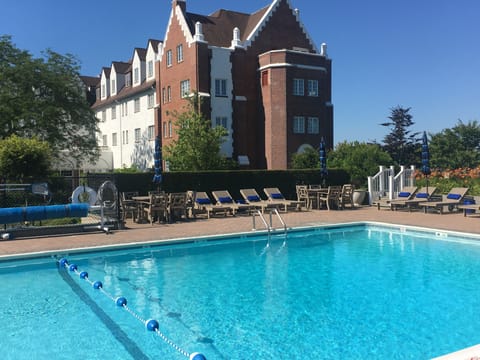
x: 201, y: 226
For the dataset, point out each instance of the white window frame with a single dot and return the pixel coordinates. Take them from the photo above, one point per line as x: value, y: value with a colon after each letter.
x: 138, y: 135
x: 169, y: 58
x: 220, y: 87
x: 170, y: 129
x: 104, y: 140
x: 128, y: 81
x: 184, y: 88
x: 114, y: 139
x: 312, y: 86
x: 114, y: 89
x: 114, y: 112
x: 136, y: 105
x: 298, y: 87
x: 150, y: 68
x: 104, y: 115
x: 151, y: 132
x: 150, y: 101
x: 299, y: 125
x: 221, y: 121
x: 313, y: 125
x: 165, y: 133
x: 169, y: 94
x: 136, y: 75
x: 179, y: 53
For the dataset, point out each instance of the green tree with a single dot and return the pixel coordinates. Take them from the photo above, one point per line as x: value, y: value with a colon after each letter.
x: 458, y: 147
x: 308, y: 159
x: 21, y: 158
x: 198, y: 144
x: 359, y: 159
x: 401, y: 143
x: 44, y: 97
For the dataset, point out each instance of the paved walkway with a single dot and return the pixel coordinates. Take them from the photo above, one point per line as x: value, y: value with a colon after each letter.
x: 138, y: 233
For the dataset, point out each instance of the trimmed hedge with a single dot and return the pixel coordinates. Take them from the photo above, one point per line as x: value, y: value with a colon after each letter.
x: 230, y: 180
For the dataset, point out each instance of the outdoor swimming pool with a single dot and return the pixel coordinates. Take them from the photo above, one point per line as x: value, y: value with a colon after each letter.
x: 357, y: 292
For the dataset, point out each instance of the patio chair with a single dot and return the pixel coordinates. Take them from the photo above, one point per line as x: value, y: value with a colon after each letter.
x: 407, y: 193
x: 223, y: 197
x: 422, y: 195
x: 331, y: 198
x: 128, y: 206
x: 252, y: 198
x: 450, y: 201
x: 346, y: 196
x: 177, y: 206
x: 156, y: 208
x: 203, y: 204
x: 276, y: 197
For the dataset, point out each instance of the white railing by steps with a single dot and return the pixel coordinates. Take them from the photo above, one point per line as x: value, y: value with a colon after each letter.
x: 385, y: 184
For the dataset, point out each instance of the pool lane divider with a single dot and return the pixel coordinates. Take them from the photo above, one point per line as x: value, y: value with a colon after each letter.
x: 120, y: 301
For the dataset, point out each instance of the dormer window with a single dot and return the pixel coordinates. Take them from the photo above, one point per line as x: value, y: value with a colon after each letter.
x: 150, y: 68
x: 136, y: 75
x: 104, y: 92
x: 127, y: 80
x: 114, y: 89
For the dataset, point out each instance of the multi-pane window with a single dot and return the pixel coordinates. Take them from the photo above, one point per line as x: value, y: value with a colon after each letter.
x: 136, y: 105
x: 125, y: 109
x: 169, y: 94
x: 184, y: 88
x: 180, y: 53
x: 104, y: 93
x: 151, y: 100
x: 221, y: 121
x: 170, y: 129
x: 104, y: 140
x: 165, y: 133
x: 114, y: 112
x: 164, y: 96
x: 220, y: 87
x: 114, y: 89
x: 128, y: 80
x: 114, y: 139
x: 151, y: 132
x: 136, y: 75
x: 313, y: 125
x: 298, y: 125
x: 104, y: 115
x: 138, y: 135
x: 169, y: 57
x: 298, y: 87
x: 312, y: 87
x: 125, y: 137
x: 150, y: 68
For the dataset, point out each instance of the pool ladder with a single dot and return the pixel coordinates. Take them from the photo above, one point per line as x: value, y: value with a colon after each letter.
x: 264, y: 221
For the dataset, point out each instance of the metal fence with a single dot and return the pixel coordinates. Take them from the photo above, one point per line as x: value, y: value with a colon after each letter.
x: 46, y: 207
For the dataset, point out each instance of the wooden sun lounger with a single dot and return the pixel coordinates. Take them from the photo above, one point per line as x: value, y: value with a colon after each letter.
x: 407, y: 193
x: 224, y: 198
x: 451, y: 200
x: 421, y: 196
x: 251, y: 197
x: 276, y: 197
x: 203, y: 204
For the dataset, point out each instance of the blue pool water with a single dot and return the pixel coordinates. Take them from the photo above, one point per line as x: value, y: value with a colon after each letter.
x: 357, y: 292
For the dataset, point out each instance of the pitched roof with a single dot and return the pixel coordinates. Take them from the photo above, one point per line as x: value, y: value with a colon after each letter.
x: 125, y: 92
x: 218, y: 27
x: 142, y: 53
x: 121, y: 67
x: 91, y: 81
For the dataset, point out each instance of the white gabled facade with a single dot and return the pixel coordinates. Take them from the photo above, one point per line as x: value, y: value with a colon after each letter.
x: 126, y: 109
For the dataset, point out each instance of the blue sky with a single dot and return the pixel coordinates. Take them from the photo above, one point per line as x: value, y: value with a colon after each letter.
x: 419, y: 54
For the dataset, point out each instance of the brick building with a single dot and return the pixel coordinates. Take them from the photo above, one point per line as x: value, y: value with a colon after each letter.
x: 259, y: 75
